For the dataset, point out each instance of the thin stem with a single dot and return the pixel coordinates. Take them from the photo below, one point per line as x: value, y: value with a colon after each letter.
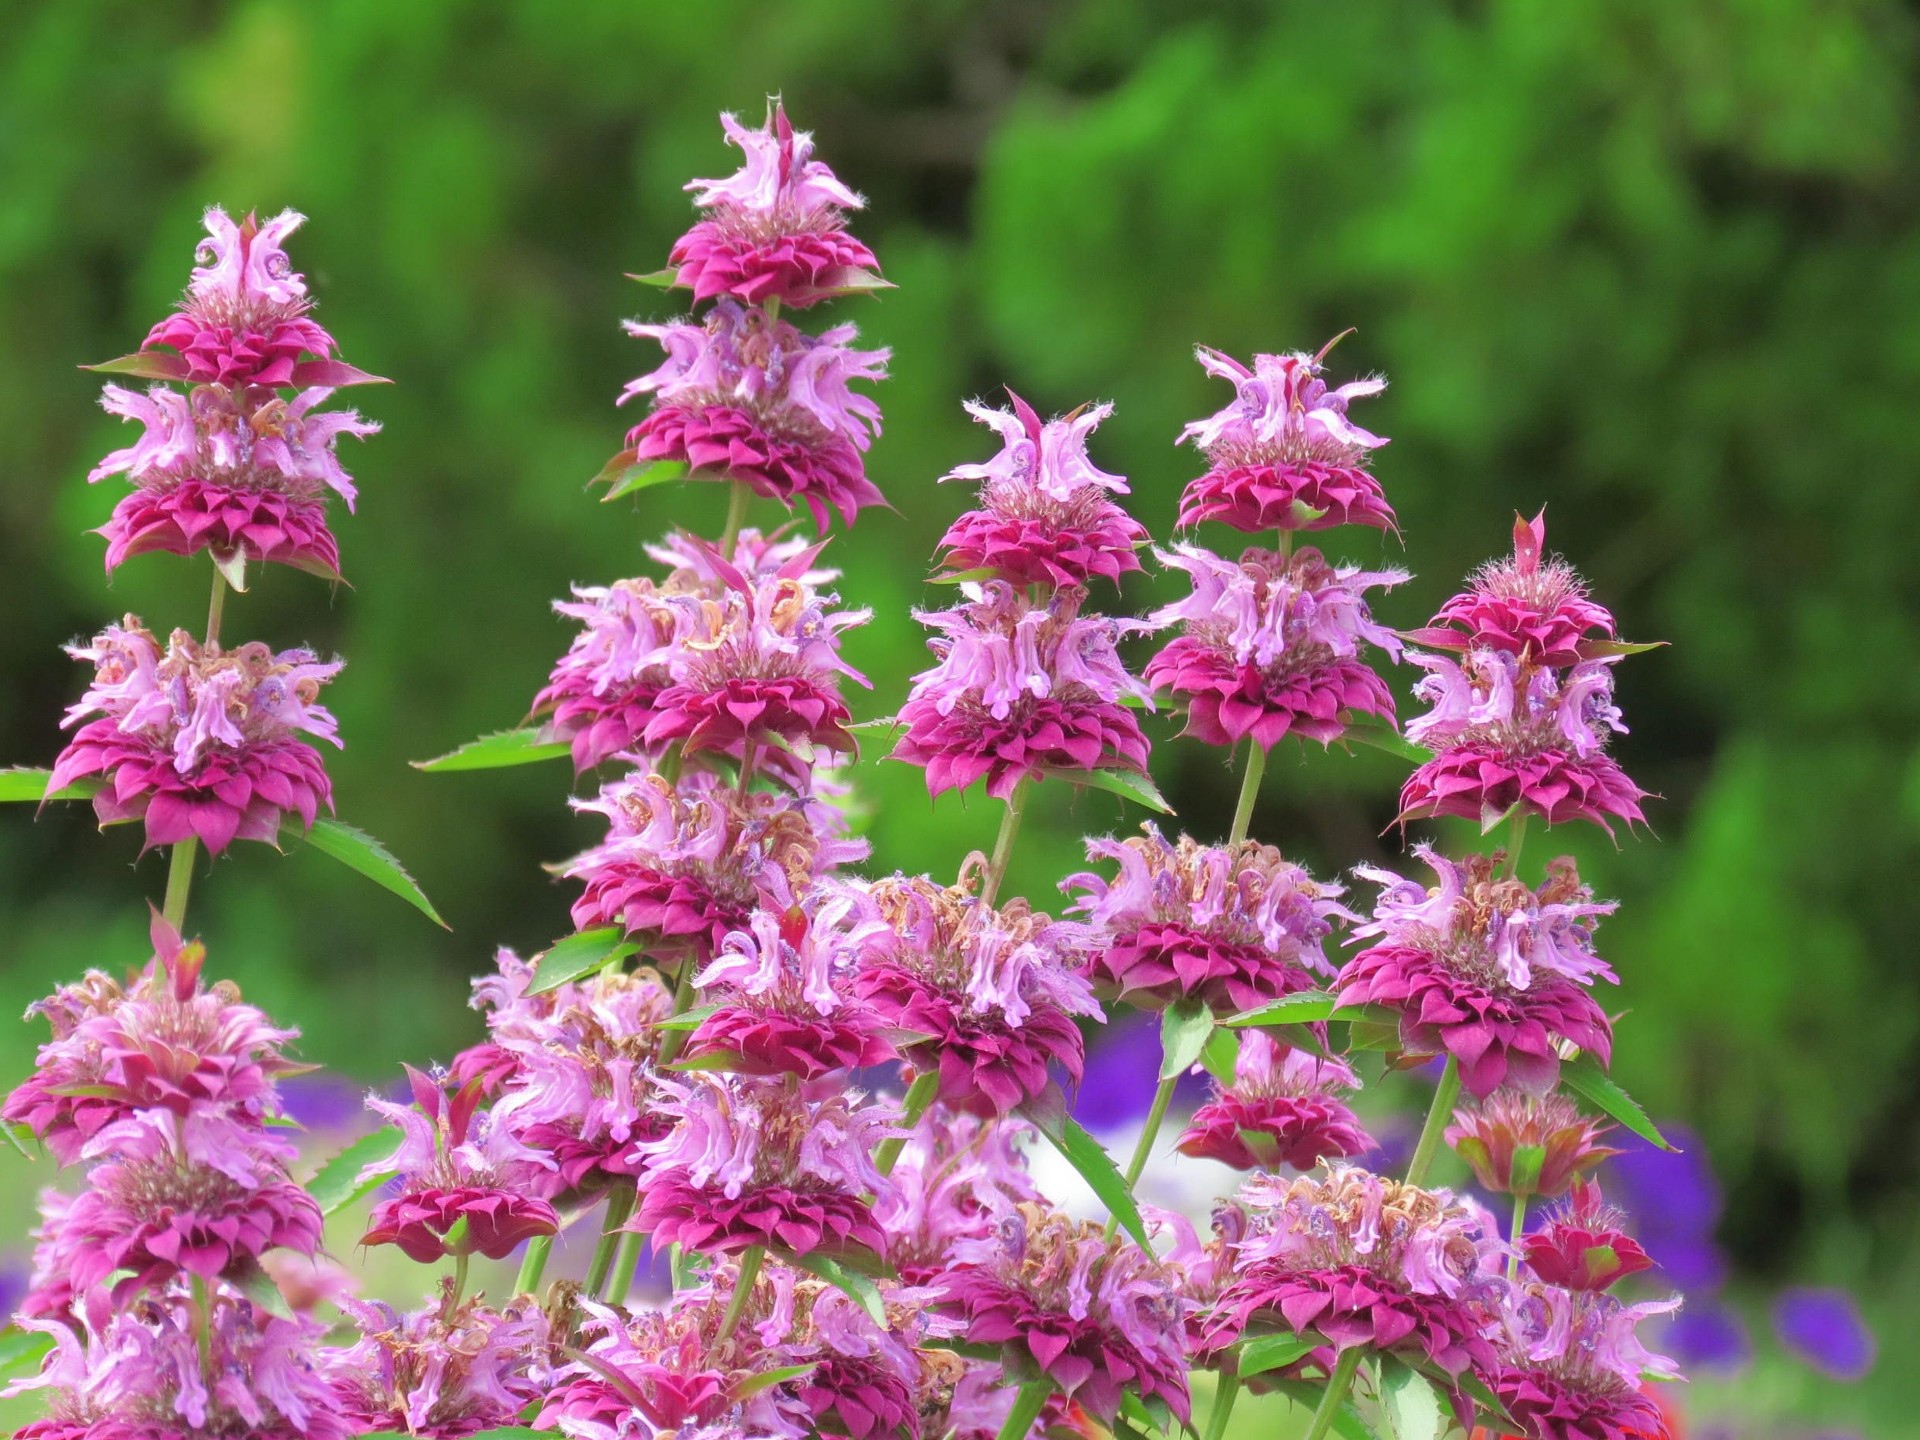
x: 671, y: 1042
x: 1249, y: 792
x: 1516, y: 837
x: 619, y: 1208
x: 919, y: 1097
x: 1224, y: 1394
x: 460, y: 1261
x: 1338, y: 1384
x: 533, y: 1265
x: 215, y: 606
x: 1027, y: 1406
x: 1444, y: 1097
x: 1003, y: 842
x: 1162, y: 1097
x: 1285, y: 547
x: 749, y: 753
x: 736, y: 517
x: 1519, y: 1229
x: 203, y: 1324
x: 173, y: 909
x: 626, y: 1259
x: 750, y: 1259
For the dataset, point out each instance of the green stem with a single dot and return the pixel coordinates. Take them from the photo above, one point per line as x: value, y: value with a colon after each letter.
x: 750, y: 1259
x: 1338, y: 1384
x: 1162, y: 1097
x: 672, y: 1041
x: 533, y: 1265
x: 1003, y: 842
x: 202, y: 1304
x: 1519, y: 1228
x: 1027, y: 1406
x: 1444, y: 1097
x: 919, y: 1097
x: 179, y: 880
x: 1249, y: 792
x: 626, y: 1259
x: 1225, y: 1393
x: 215, y: 606
x: 460, y: 1261
x: 736, y: 517
x: 1285, y: 546
x: 619, y: 1208
x: 1516, y: 837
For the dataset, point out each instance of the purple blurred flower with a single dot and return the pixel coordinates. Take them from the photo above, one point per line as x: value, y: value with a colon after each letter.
x: 1708, y: 1336
x: 1824, y: 1328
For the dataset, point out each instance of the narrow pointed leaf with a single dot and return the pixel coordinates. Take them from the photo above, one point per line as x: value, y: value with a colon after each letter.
x: 1600, y: 649
x: 144, y: 365
x: 662, y: 278
x: 1372, y: 730
x: 364, y: 855
x: 844, y: 1278
x: 1096, y: 1167
x: 334, y: 374
x: 962, y: 577
x: 21, y: 783
x: 767, y: 1379
x: 496, y: 751
x: 338, y: 1184
x: 1586, y: 1079
x: 574, y: 956
x: 1184, y: 1030
x: 1303, y: 1007
x: 1275, y: 1352
x: 1125, y: 783
x: 644, y: 476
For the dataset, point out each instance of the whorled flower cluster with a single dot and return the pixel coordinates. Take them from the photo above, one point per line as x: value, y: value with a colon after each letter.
x: 1284, y: 1107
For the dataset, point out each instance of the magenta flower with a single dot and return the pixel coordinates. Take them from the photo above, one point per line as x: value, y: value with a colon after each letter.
x: 1046, y: 516
x: 1235, y: 926
x: 164, y: 1043
x: 467, y: 1184
x: 1518, y: 1142
x: 1490, y: 971
x: 444, y: 1371
x: 198, y: 741
x: 745, y: 396
x: 777, y: 229
x: 984, y: 998
x: 1522, y: 715
x: 1283, y: 1108
x: 1571, y: 1368
x: 687, y: 863
x: 782, y: 988
x: 757, y: 1162
x: 1096, y: 1316
x: 1361, y: 1261
x: 1270, y: 646
x: 1022, y: 687
x: 957, y: 1175
x: 864, y: 1374
x: 1583, y: 1245
x: 1284, y: 455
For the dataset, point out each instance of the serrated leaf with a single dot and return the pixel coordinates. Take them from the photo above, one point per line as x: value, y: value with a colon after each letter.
x: 144, y: 365
x: 662, y: 278
x: 1303, y: 1007
x: 21, y: 1352
x: 574, y: 956
x: 364, y: 855
x: 338, y: 1183
x: 1184, y: 1030
x: 1275, y: 1352
x: 497, y: 751
x: 643, y: 476
x: 1125, y: 783
x: 844, y: 1278
x: 1411, y: 1405
x: 1586, y: 1079
x: 1372, y: 730
x: 1220, y: 1052
x: 767, y: 1379
x: 1092, y: 1163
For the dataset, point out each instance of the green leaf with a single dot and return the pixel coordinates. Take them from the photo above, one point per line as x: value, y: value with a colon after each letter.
x: 1491, y: 819
x: 1135, y: 787
x: 1410, y: 1403
x: 1220, y: 1052
x: 21, y: 1352
x: 1303, y: 1007
x: 1096, y: 1167
x: 884, y: 722
x: 364, y: 855
x: 662, y: 278
x: 962, y: 577
x: 21, y: 1139
x: 495, y: 751
x: 846, y: 1279
x: 767, y: 1379
x: 1184, y: 1030
x: 339, y: 1184
x: 1347, y: 1423
x: 23, y: 783
x: 644, y: 477
x: 574, y: 956
x: 1586, y: 1079
x: 1274, y: 1352
x: 1372, y: 730
x: 144, y: 365
x: 258, y: 1286
x: 686, y: 1019
x: 232, y: 567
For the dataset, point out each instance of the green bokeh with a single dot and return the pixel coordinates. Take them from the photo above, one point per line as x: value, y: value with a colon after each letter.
x: 1652, y: 264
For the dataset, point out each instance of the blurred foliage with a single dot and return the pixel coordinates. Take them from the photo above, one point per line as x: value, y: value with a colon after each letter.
x: 1650, y: 263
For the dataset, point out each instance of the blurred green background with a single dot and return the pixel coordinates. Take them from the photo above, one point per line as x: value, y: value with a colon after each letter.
x: 1652, y: 264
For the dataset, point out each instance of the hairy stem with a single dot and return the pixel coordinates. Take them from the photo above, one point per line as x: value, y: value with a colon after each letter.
x: 919, y: 1097
x: 1027, y: 1406
x: 173, y: 909
x: 750, y: 1259
x: 533, y: 1265
x: 1441, y: 1112
x: 1249, y: 793
x: 736, y: 517
x: 1003, y: 842
x: 619, y: 1210
x: 1338, y: 1384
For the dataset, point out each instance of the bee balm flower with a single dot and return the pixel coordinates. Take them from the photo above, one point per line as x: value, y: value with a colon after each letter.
x: 1283, y: 1108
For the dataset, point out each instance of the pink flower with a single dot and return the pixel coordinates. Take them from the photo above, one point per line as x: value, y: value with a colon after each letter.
x: 1271, y: 645
x: 776, y: 230
x: 1528, y: 1144
x: 199, y: 740
x: 1020, y: 688
x: 744, y: 396
x: 1283, y: 1108
x: 229, y: 472
x: 1571, y: 1367
x: 1284, y: 454
x: 1491, y: 971
x: 1047, y: 516
x: 1361, y: 1261
x: 444, y: 1371
x: 1532, y: 606
x: 758, y: 1162
x: 466, y: 1181
x: 1096, y: 1316
x: 956, y: 1177
x: 983, y: 998
x: 1237, y: 926
x: 863, y: 1374
x: 1583, y: 1246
